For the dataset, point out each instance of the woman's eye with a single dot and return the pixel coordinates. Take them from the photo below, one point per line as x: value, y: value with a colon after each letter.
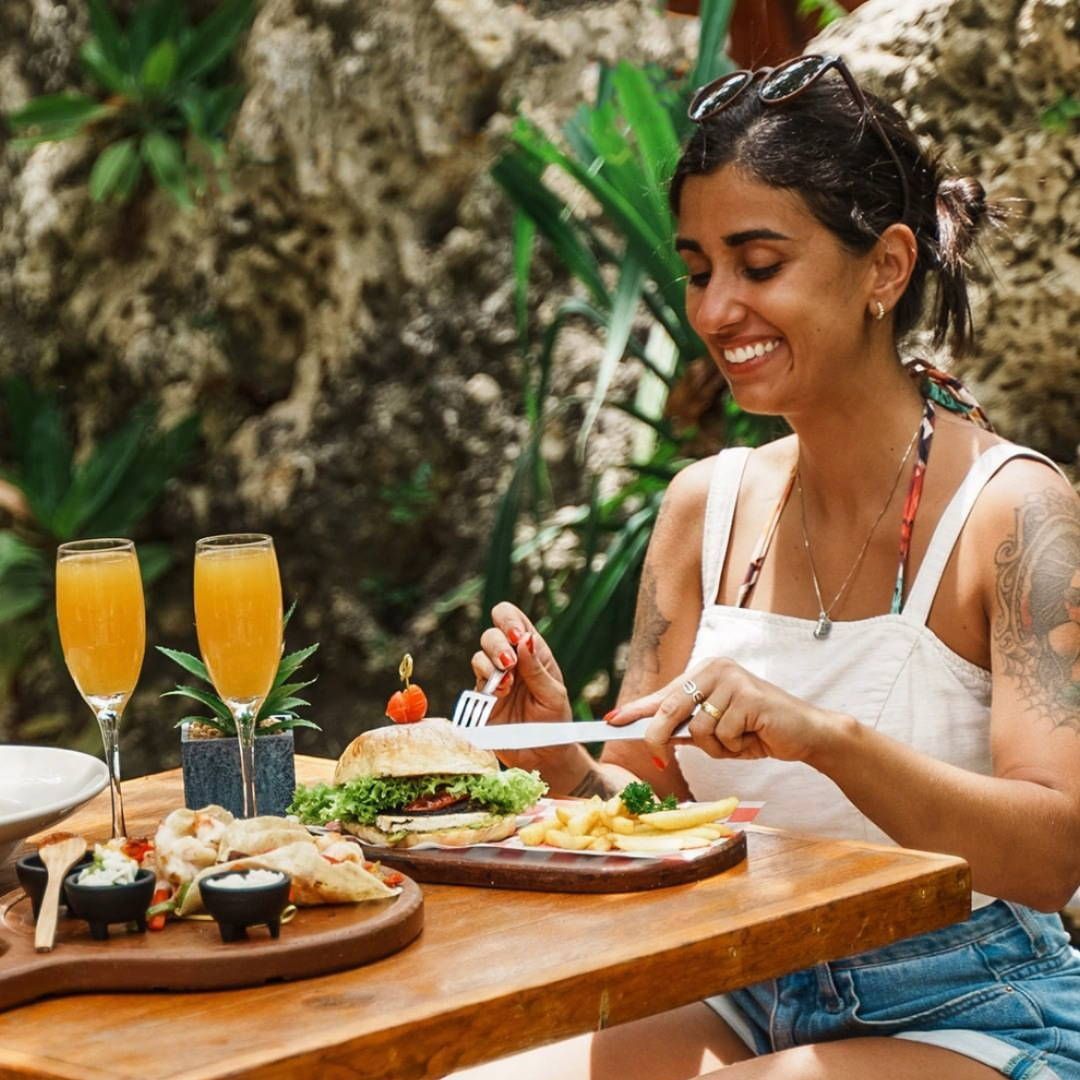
x: 761, y: 273
x: 699, y: 280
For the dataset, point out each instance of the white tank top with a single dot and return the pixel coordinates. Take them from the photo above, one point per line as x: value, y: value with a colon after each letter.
x: 890, y: 672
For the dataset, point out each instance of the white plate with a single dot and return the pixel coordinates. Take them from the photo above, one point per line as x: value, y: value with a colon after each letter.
x: 40, y: 785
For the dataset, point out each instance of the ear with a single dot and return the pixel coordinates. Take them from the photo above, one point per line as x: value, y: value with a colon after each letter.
x: 893, y: 263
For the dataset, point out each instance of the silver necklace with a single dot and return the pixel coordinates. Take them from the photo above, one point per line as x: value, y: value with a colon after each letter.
x: 824, y: 623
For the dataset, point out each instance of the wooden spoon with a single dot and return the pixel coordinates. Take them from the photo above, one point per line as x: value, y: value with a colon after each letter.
x: 58, y: 853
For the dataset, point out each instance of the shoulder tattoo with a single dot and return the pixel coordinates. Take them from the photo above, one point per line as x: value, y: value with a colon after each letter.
x: 650, y: 625
x: 1037, y: 630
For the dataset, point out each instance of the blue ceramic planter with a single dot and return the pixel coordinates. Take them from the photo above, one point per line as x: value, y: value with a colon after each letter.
x: 212, y: 772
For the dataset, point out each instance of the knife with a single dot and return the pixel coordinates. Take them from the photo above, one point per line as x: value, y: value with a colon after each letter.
x: 524, y: 736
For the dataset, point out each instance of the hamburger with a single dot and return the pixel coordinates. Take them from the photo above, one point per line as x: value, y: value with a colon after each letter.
x: 418, y: 783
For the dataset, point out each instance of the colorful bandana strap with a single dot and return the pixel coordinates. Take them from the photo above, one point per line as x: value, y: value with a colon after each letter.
x: 948, y: 391
x: 911, y: 501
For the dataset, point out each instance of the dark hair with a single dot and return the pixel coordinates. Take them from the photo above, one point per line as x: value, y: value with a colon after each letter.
x: 820, y: 145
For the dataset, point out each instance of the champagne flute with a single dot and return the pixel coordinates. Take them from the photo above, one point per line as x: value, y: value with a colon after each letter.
x: 102, y: 621
x: 238, y: 619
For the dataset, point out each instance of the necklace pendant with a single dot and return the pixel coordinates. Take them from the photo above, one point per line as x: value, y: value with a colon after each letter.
x: 824, y: 625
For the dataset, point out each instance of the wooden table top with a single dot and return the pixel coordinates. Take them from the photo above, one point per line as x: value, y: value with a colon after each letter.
x: 494, y: 971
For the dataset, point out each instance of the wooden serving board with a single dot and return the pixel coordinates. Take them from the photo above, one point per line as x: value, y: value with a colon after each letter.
x: 547, y: 869
x: 190, y: 955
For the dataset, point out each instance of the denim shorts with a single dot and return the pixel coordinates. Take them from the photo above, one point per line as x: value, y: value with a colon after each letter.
x: 1002, y: 988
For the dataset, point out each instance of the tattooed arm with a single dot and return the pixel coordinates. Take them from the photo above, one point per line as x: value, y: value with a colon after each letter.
x: 1019, y: 828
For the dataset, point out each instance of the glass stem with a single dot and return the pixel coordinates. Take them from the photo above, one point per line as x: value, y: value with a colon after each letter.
x: 108, y: 720
x: 245, y: 735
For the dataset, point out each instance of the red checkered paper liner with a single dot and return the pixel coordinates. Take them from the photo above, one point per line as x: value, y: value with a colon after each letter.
x: 513, y: 850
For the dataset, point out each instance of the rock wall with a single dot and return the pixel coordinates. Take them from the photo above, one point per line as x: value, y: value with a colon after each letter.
x: 343, y: 319
x: 974, y: 77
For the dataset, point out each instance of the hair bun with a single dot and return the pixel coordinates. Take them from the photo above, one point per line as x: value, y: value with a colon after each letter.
x: 961, y: 210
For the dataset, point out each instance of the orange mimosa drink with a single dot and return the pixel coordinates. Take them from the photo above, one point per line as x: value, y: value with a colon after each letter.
x: 238, y: 619
x: 102, y: 621
x: 99, y: 606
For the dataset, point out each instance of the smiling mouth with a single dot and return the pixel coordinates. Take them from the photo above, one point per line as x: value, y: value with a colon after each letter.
x: 745, y: 353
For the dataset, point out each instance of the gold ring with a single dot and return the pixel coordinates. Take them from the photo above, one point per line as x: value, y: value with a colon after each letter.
x: 709, y: 708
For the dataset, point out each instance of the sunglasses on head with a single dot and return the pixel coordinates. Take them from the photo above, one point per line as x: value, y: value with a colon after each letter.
x: 783, y: 83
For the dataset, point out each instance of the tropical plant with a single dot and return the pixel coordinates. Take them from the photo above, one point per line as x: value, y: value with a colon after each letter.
x: 278, y: 712
x: 619, y: 151
x: 158, y: 81
x: 52, y: 498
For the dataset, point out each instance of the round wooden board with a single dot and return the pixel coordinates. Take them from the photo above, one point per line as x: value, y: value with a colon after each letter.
x: 550, y: 870
x: 190, y: 955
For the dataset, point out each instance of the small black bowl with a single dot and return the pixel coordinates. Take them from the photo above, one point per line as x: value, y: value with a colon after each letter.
x: 100, y: 905
x: 237, y: 909
x: 30, y: 871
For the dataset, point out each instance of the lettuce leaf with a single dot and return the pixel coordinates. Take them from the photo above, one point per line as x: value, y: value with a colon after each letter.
x: 506, y: 792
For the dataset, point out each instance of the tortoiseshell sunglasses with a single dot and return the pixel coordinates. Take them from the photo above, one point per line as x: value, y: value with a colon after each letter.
x: 783, y: 83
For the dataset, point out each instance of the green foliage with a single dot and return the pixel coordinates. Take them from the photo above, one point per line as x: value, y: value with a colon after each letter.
x: 107, y: 493
x: 1063, y: 117
x: 161, y: 87
x: 410, y: 501
x: 620, y: 151
x: 827, y: 11
x: 278, y: 712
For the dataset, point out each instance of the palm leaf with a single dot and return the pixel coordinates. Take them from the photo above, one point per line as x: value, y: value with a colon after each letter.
x: 166, y: 160
x: 104, y: 471
x: 108, y: 35
x: 116, y: 171
x: 153, y: 22
x: 517, y: 175
x: 112, y: 78
x: 161, y: 457
x: 214, y: 38
x: 159, y: 67
x: 627, y: 295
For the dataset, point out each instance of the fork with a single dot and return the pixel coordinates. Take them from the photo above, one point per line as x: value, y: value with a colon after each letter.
x: 473, y: 708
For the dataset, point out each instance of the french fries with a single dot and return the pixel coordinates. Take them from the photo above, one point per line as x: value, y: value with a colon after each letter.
x: 606, y: 825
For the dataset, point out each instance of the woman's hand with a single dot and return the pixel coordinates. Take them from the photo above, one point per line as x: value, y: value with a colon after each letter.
x: 532, y: 688
x: 754, y: 718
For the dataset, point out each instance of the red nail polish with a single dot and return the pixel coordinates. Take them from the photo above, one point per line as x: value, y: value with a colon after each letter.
x: 513, y: 635
x: 610, y: 713
x: 532, y: 643
x: 505, y: 681
x: 507, y: 659
x: 659, y: 762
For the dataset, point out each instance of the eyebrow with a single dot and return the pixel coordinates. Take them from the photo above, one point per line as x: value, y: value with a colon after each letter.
x: 684, y: 243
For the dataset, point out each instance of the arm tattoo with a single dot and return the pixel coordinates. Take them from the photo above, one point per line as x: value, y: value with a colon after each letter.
x: 650, y: 625
x: 594, y: 783
x: 1038, y: 591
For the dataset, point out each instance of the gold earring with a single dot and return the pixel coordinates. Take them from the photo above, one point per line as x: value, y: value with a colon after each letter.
x: 879, y: 314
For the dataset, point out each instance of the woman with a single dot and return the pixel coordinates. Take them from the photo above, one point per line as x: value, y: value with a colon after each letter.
x: 877, y: 614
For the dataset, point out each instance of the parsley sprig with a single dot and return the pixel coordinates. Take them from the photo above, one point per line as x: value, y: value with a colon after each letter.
x: 639, y: 798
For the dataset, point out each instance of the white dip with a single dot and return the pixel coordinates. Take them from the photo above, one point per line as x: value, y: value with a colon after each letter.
x: 251, y: 880
x: 109, y: 867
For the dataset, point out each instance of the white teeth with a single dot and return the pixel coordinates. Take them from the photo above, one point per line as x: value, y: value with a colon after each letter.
x: 748, y: 352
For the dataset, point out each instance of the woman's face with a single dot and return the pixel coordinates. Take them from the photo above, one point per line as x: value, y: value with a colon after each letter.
x: 779, y: 303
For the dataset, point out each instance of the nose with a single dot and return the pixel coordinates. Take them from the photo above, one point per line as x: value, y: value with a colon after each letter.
x: 720, y: 308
